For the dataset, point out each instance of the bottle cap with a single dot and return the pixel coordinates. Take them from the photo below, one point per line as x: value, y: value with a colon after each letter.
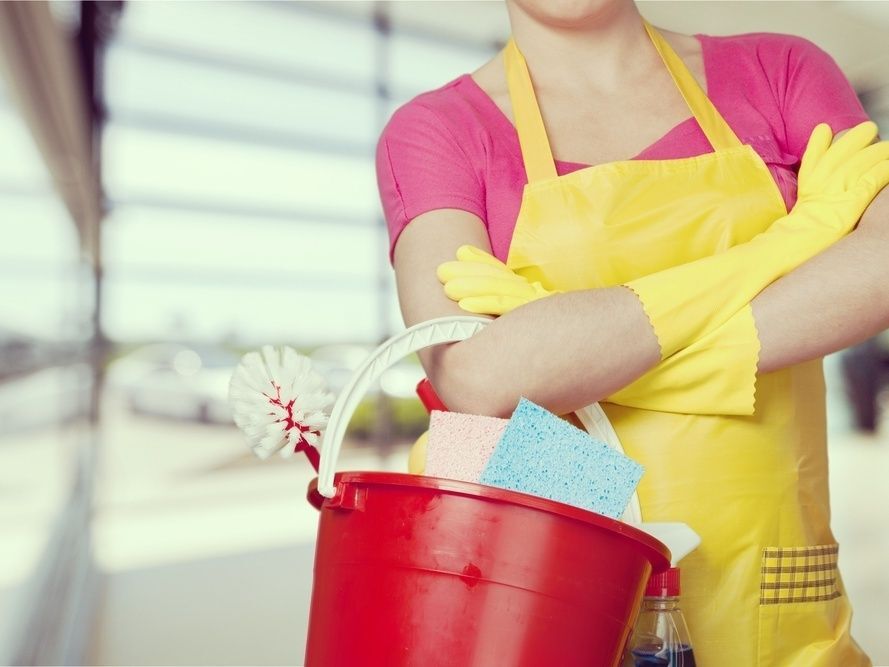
x: 664, y: 584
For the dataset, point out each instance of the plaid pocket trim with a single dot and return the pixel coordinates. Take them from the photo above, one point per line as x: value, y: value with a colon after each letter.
x: 799, y: 574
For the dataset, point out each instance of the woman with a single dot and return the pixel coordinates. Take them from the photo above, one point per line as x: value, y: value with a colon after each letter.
x: 713, y: 383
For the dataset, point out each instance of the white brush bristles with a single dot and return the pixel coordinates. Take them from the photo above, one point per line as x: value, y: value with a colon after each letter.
x: 278, y: 400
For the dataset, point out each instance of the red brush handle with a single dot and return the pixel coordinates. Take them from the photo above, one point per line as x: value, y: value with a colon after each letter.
x: 311, y: 453
x: 428, y: 397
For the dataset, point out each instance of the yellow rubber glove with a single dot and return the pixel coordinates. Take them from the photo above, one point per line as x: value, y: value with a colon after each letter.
x: 836, y: 183
x: 715, y: 375
x: 484, y: 285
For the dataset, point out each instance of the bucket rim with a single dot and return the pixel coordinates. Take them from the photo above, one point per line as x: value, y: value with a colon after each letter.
x: 659, y: 554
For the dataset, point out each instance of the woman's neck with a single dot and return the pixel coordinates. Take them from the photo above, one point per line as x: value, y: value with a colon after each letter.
x: 601, y: 51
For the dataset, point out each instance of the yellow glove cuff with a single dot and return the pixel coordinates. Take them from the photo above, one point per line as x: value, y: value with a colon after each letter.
x: 715, y: 375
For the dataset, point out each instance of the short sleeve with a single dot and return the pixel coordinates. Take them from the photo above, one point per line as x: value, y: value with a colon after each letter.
x: 813, y: 89
x: 421, y: 166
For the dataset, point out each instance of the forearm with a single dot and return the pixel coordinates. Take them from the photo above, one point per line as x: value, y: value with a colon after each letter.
x: 563, y: 352
x: 837, y: 299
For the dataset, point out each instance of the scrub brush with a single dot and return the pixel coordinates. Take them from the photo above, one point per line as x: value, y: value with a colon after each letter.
x: 280, y: 403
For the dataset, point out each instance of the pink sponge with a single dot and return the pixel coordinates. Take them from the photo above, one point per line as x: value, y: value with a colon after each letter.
x: 460, y: 445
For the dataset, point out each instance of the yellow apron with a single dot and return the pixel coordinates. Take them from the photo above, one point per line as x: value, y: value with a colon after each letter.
x: 763, y: 588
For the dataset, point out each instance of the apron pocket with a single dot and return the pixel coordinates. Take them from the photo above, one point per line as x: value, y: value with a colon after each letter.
x: 804, y: 617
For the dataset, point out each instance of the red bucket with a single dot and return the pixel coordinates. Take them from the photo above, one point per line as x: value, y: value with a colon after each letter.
x: 415, y: 571
x: 420, y: 571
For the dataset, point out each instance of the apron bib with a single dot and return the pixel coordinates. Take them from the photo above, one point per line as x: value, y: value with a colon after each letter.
x: 763, y: 588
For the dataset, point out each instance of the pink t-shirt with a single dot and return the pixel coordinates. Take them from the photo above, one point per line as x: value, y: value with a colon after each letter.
x: 452, y: 147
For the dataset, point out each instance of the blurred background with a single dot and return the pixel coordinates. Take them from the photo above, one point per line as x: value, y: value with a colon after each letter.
x: 181, y: 182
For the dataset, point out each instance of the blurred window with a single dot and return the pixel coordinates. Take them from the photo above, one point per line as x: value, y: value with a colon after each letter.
x: 209, y: 276
x: 239, y: 164
x: 156, y: 85
x: 441, y: 62
x: 279, y: 36
x: 25, y: 174
x: 44, y: 306
x: 39, y: 255
x: 139, y: 238
x: 161, y: 166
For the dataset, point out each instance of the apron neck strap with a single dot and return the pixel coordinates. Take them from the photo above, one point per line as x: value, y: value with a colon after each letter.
x: 717, y: 131
x: 536, y: 152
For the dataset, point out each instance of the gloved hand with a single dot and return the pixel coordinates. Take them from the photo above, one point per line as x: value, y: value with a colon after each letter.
x: 484, y: 285
x: 836, y: 183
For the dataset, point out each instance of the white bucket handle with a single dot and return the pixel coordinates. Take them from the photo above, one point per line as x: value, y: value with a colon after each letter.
x: 427, y: 334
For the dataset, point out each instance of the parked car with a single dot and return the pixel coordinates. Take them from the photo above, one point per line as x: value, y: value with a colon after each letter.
x: 183, y: 381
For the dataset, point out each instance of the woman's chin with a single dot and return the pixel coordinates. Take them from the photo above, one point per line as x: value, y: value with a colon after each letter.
x: 571, y: 13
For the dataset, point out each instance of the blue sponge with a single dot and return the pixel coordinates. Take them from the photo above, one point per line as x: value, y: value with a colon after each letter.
x: 542, y: 454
